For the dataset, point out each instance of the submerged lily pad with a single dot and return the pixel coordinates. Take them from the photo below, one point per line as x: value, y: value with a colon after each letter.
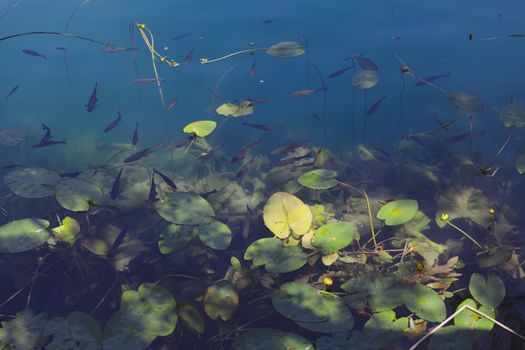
x: 120, y: 334
x: 520, y: 163
x: 339, y: 316
x: 221, y: 300
x: 384, y: 330
x: 24, y: 332
x: 23, y: 235
x: 470, y: 320
x: 150, y: 309
x: 494, y: 257
x: 201, y: 128
x: 318, y: 179
x: 468, y: 203
x: 232, y: 110
x: 489, y: 291
x: 68, y: 231
x: 285, y: 212
x: 174, y: 238
x: 77, y: 328
x: 513, y: 115
x: 334, y: 236
x: 365, y: 79
x: 76, y: 194
x: 398, y: 212
x: 215, y: 235
x: 264, y: 251
x: 466, y: 103
x: 191, y: 317
x: 291, y: 258
x: 425, y: 303
x: 185, y: 208
x: 268, y: 338
x: 11, y: 137
x: 32, y: 182
x: 300, y: 302
x: 286, y: 49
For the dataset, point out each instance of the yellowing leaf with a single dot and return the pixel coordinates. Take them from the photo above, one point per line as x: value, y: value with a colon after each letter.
x: 284, y: 212
x: 68, y: 231
x: 232, y: 110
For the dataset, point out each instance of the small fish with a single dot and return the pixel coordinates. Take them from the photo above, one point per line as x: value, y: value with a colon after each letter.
x: 180, y: 36
x: 444, y: 126
x: 140, y: 154
x: 375, y: 106
x: 115, y: 189
x: 270, y: 20
x: 118, y: 241
x: 180, y: 143
x: 135, y: 138
x: 152, y: 197
x: 395, y: 37
x: 72, y: 174
x: 340, y: 72
x: 381, y: 154
x: 116, y: 49
x: 209, y: 193
x: 166, y: 179
x: 245, y: 167
x: 463, y: 137
x: 252, y: 72
x: 430, y: 79
x: 259, y: 101
x: 307, y: 92
x: 12, y: 91
x: 316, y: 117
x: 188, y: 58
x: 146, y: 80
x: 33, y: 53
x: 114, y: 123
x: 172, y: 104
x: 92, y: 102
x: 47, y: 139
x: 244, y: 151
x: 366, y: 63
x: 262, y: 127
x: 287, y: 148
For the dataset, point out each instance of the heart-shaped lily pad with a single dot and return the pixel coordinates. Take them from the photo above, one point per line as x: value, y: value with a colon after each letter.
x: 32, y: 182
x: 267, y: 338
x: 185, y: 208
x: 425, y: 303
x: 77, y: 328
x: 76, y: 194
x: 174, y: 238
x: 339, y: 316
x: 291, y: 258
x: 300, y: 302
x: 285, y: 212
x: 215, y: 235
x: 398, y: 212
x: 384, y: 330
x: 264, y: 251
x: 318, y: 179
x: 489, y: 291
x: 221, y: 300
x: 286, y: 49
x: 68, y: 231
x: 334, y: 236
x: 23, y: 235
x: 232, y: 110
x: 470, y: 320
x: 200, y: 128
x: 24, y: 332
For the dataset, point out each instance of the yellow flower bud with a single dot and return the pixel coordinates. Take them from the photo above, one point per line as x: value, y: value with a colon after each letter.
x: 328, y: 281
x: 444, y: 217
x: 491, y: 211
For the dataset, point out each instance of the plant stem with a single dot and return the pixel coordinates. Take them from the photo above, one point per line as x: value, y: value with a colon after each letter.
x: 465, y: 234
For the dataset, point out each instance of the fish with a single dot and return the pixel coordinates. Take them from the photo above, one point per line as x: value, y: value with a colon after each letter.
x: 270, y: 20
x: 47, y: 139
x: 381, y: 154
x: 430, y: 79
x: 12, y: 166
x: 307, y: 92
x: 374, y: 107
x: 259, y: 101
x: 115, y: 189
x: 207, y: 155
x: 413, y: 138
x: 395, y: 37
x: 180, y: 143
x: 140, y: 154
x: 287, y: 161
x: 172, y: 104
x: 166, y: 179
x: 33, y: 53
x: 262, y: 127
x: 444, y: 126
x: 340, y: 72
x: 135, y: 138
x: 287, y: 148
x: 118, y: 241
x: 146, y: 80
x: 180, y: 36
x: 116, y: 49
x: 209, y: 193
x: 114, y: 123
x: 366, y: 63
x: 188, y: 58
x: 71, y: 174
x: 463, y: 137
x: 252, y: 72
x: 152, y: 197
x: 244, y: 151
x: 92, y: 102
x: 12, y: 91
x: 245, y: 167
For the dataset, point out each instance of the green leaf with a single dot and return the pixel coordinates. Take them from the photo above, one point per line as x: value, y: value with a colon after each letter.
x: 185, y: 208
x: 32, y: 182
x: 334, y: 236
x: 286, y: 49
x: 489, y: 291
x: 191, y: 317
x: 384, y: 329
x: 76, y: 194
x: 215, y: 235
x: 24, y: 332
x: 174, y: 238
x: 120, y: 334
x: 285, y: 212
x: 78, y: 328
x: 244, y: 109
x: 384, y: 292
x: 451, y: 338
x: 495, y: 256
x: 318, y: 179
x: 366, y: 79
x: 292, y: 258
x: 339, y: 316
x: 300, y: 302
x: 268, y: 338
x: 398, y: 212
x: 200, y: 128
x: 23, y: 235
x: 470, y: 320
x: 68, y: 231
x: 425, y: 303
x: 221, y: 300
x: 264, y: 251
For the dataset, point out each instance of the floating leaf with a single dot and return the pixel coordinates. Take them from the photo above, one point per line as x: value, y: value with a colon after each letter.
x: 425, y: 303
x: 468, y: 203
x: 274, y: 339
x: 76, y: 194
x: 292, y: 258
x: 300, y: 302
x: 384, y: 330
x: 284, y: 212
x: 470, y: 320
x: 286, y: 49
x: 68, y: 231
x: 191, y: 317
x: 334, y: 236
x: 150, y: 309
x: 78, y: 328
x: 318, y: 179
x: 201, y: 128
x: 520, y: 163
x: 32, y: 182
x: 221, y: 300
x: 174, y: 238
x: 489, y: 291
x: 24, y: 332
x: 120, y: 334
x: 513, y: 115
x: 264, y: 251
x: 466, y: 103
x: 365, y: 79
x: 495, y: 256
x: 185, y: 208
x: 339, y: 316
x: 232, y: 110
x: 215, y: 235
x: 23, y: 235
x: 452, y: 338
x: 383, y: 292
x: 398, y: 212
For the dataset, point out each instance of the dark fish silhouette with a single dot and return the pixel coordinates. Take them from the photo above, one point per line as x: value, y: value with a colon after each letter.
x: 375, y: 106
x: 339, y: 72
x: 146, y: 80
x: 118, y: 241
x: 12, y: 91
x: 47, y: 139
x: 116, y: 49
x: 114, y: 123
x: 166, y: 179
x: 463, y: 137
x: 33, y: 53
x: 307, y: 92
x: 430, y: 79
x: 262, y: 127
x: 135, y: 138
x: 152, y: 197
x: 181, y: 36
x: 92, y: 102
x: 140, y: 154
x: 180, y: 143
x: 115, y: 189
x: 188, y: 58
x: 252, y: 72
x: 287, y: 148
x: 244, y: 151
x: 270, y: 20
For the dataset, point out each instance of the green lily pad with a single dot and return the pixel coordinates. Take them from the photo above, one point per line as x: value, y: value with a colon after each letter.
x: 398, y: 212
x: 221, y: 300
x: 451, y: 338
x: 513, y: 115
x: 264, y: 251
x: 185, y: 208
x: 339, y: 316
x: 300, y: 302
x: 78, y: 329
x: 24, y: 332
x: 76, y: 194
x: 489, y: 291
x: 120, y: 334
x: 68, y: 231
x: 215, y: 235
x: 384, y: 330
x: 495, y: 256
x: 383, y: 292
x: 32, y: 182
x: 425, y: 303
x: 23, y: 235
x: 520, y: 163
x: 191, y: 317
x: 334, y: 236
x: 286, y: 49
x: 284, y: 212
x: 467, y: 319
x: 318, y: 179
x: 174, y: 238
x: 268, y: 338
x: 292, y: 258
x: 200, y: 128
x: 150, y: 309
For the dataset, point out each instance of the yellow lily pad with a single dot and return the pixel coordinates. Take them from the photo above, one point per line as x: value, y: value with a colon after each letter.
x: 232, y: 110
x: 285, y: 212
x: 200, y: 128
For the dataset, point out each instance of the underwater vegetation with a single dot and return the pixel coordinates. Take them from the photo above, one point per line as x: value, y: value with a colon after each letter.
x: 183, y: 244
